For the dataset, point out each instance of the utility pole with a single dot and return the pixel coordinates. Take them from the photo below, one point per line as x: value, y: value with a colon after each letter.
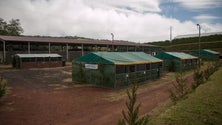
x: 112, y: 40
x: 199, y: 27
x: 171, y: 33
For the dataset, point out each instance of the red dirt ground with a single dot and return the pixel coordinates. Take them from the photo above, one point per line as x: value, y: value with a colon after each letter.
x: 48, y: 97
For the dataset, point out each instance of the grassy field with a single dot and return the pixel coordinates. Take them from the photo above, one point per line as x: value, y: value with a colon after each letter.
x: 201, y: 107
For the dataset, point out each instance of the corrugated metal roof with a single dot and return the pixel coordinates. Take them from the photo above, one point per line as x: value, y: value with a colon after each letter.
x: 118, y: 58
x: 37, y: 55
x: 69, y: 40
x: 181, y: 55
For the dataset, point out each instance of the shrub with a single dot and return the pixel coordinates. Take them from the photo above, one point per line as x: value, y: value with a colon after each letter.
x: 3, y: 83
x: 198, y: 77
x: 208, y: 72
x: 179, y: 87
x: 131, y: 117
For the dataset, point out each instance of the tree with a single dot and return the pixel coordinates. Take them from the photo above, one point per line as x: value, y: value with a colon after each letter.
x: 12, y: 28
x: 131, y: 117
x: 179, y: 87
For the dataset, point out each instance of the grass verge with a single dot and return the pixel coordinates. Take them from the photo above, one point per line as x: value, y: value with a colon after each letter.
x: 202, y: 107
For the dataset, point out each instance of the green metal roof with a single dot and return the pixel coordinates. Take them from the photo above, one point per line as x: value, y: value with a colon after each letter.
x: 210, y: 51
x: 118, y: 58
x: 179, y: 55
x: 205, y: 51
x: 37, y: 55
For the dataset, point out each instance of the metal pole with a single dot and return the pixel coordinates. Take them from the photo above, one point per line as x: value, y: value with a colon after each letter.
x: 170, y: 33
x: 49, y: 48
x: 199, y: 45
x: 4, y: 54
x: 112, y: 40
x: 82, y: 50
x: 67, y: 51
x: 28, y: 47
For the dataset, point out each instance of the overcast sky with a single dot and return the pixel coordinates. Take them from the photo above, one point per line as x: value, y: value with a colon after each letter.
x: 132, y: 20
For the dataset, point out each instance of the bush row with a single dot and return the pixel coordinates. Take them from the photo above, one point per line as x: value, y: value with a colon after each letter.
x: 200, y: 76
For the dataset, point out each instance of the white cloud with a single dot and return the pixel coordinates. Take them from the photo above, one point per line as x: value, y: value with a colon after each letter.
x: 139, y: 6
x: 96, y: 19
x: 205, y: 18
x: 200, y: 4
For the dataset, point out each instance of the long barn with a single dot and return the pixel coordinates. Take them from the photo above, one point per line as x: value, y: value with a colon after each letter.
x: 68, y: 48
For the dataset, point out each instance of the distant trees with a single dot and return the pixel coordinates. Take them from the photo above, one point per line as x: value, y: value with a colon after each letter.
x: 12, y: 28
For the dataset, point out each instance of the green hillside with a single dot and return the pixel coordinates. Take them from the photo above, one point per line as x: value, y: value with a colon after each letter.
x: 213, y: 42
x: 202, y: 107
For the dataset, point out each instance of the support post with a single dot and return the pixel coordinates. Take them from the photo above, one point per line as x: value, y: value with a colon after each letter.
x: 4, y: 54
x: 67, y: 52
x: 49, y: 48
x: 199, y: 27
x: 28, y: 47
x: 82, y: 50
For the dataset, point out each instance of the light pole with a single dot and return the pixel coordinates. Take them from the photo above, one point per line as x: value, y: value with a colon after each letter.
x: 112, y: 40
x: 199, y: 27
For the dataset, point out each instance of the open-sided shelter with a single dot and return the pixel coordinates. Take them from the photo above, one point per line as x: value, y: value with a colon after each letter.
x: 207, y: 55
x: 24, y: 61
x: 177, y: 61
x: 115, y: 69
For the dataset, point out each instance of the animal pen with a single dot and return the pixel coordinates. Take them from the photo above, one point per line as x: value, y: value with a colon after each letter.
x: 24, y: 61
x: 116, y: 69
x: 207, y: 55
x: 177, y: 61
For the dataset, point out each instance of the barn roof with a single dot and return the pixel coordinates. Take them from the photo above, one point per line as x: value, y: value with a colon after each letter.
x: 118, y: 58
x: 68, y: 40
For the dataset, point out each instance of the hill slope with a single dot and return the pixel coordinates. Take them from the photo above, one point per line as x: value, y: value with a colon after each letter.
x: 213, y: 42
x: 202, y: 107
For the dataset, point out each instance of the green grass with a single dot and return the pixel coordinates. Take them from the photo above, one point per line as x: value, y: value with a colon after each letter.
x: 202, y: 107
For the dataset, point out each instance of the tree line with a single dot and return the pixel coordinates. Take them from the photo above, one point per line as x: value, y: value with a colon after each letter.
x: 12, y: 28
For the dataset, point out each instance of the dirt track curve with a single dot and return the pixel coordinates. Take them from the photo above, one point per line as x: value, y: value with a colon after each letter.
x: 48, y: 97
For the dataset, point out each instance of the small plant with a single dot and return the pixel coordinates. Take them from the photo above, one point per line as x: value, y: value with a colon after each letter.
x: 3, y: 83
x: 208, y: 72
x: 198, y: 77
x: 131, y: 117
x: 179, y: 87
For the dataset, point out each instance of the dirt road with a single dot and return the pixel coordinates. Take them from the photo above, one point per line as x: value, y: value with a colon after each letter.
x: 49, y: 97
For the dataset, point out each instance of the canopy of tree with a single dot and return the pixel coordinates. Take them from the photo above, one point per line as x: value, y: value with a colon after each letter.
x: 13, y: 28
